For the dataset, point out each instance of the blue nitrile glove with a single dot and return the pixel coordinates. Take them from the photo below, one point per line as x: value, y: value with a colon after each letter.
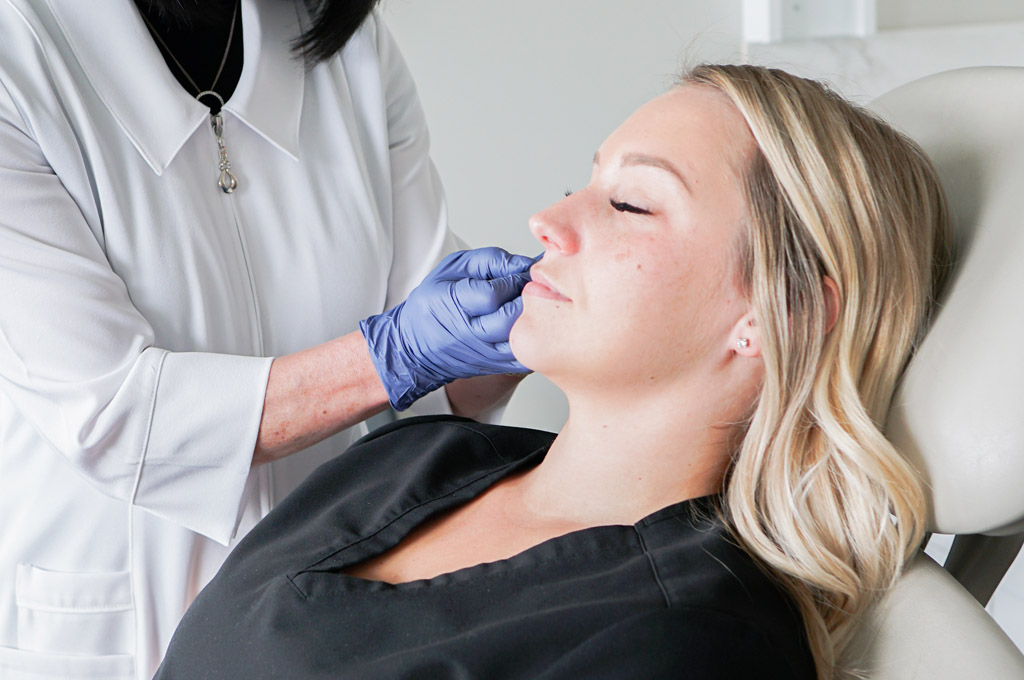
x: 455, y: 324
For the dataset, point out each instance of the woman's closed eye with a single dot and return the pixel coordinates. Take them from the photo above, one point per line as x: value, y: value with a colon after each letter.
x: 626, y: 207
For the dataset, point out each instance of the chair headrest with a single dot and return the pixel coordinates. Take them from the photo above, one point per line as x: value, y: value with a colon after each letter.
x: 958, y: 414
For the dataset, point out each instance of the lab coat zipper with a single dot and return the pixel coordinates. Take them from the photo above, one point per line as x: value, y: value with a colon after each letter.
x: 265, y: 472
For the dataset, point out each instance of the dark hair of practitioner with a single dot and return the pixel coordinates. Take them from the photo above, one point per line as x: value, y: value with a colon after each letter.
x: 334, y: 21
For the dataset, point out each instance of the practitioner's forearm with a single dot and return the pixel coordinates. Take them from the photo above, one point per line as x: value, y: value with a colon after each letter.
x: 322, y: 390
x: 315, y: 393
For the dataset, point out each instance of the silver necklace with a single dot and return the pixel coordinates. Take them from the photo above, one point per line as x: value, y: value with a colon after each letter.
x: 226, y: 181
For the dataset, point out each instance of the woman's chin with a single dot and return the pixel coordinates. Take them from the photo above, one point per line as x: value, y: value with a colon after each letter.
x: 547, y: 348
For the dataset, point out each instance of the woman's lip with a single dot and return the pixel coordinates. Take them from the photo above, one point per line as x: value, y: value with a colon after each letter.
x: 541, y: 287
x: 540, y: 290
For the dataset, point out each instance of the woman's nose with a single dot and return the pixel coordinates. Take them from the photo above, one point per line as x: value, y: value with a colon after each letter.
x: 553, y: 227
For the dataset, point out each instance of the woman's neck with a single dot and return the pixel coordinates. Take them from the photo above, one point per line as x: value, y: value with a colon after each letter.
x: 615, y: 463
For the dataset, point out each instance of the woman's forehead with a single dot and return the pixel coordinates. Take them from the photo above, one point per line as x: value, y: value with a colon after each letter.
x: 691, y: 124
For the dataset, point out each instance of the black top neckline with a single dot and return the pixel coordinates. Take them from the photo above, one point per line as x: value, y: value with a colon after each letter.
x: 577, y: 546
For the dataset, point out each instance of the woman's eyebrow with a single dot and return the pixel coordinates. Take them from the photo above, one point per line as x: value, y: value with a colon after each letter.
x: 653, y: 161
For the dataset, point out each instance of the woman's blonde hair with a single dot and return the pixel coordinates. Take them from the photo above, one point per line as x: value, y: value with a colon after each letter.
x: 815, y: 490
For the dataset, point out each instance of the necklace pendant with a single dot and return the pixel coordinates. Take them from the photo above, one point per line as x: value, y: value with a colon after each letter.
x: 226, y: 181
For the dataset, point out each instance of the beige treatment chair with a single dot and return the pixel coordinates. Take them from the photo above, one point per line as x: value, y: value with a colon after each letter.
x: 958, y: 415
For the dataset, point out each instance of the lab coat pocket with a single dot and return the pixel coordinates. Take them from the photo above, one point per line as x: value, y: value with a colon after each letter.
x: 74, y: 613
x: 18, y: 664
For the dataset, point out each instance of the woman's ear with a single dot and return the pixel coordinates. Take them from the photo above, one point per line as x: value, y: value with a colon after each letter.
x: 745, y: 338
x: 831, y: 302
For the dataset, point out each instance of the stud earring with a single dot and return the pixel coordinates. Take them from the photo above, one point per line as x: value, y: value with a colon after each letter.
x: 742, y: 343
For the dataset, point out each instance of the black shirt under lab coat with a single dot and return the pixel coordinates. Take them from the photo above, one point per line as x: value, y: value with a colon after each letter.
x: 670, y: 597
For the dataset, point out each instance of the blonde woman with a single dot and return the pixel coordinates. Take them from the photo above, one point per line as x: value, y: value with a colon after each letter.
x: 727, y: 306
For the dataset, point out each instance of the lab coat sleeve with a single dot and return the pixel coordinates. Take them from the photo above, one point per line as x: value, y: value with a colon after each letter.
x: 170, y: 432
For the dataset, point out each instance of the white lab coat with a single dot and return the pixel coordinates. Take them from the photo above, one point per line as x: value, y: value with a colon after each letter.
x: 139, y: 303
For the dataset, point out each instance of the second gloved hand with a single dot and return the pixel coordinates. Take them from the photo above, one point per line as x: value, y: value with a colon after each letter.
x: 455, y: 324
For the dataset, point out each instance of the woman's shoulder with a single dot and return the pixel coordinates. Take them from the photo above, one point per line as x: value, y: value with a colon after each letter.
x: 434, y: 451
x: 441, y: 447
x: 683, y: 642
x: 399, y: 468
x: 445, y: 432
x: 710, y: 581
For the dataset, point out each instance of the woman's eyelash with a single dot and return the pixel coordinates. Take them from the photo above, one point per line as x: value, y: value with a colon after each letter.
x: 626, y: 207
x: 620, y: 206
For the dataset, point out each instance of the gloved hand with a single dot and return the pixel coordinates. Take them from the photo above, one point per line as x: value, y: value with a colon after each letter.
x: 455, y: 324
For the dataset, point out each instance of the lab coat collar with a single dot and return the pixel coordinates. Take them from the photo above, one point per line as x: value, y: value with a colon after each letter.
x: 128, y: 72
x: 268, y: 97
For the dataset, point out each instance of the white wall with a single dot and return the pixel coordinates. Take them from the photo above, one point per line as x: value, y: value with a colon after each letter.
x: 519, y: 95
